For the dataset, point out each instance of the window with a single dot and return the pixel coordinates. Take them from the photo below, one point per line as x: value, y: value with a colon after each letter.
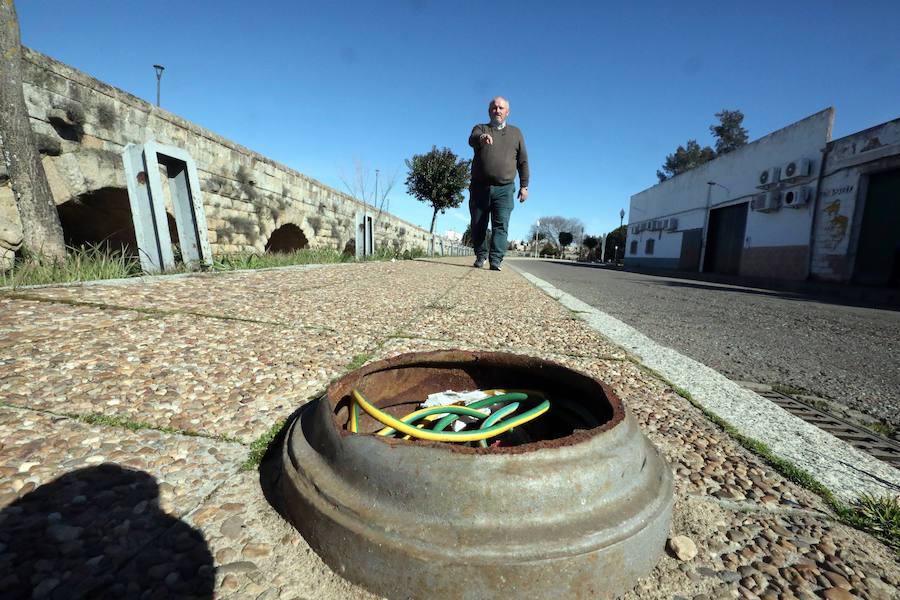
x: 633, y: 249
x: 648, y: 247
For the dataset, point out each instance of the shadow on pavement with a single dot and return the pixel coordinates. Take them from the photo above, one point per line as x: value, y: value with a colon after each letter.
x: 98, y: 532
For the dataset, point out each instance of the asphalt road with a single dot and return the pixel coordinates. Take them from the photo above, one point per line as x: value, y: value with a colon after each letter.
x: 843, y: 353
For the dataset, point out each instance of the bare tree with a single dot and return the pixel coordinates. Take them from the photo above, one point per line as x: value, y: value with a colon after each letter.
x: 362, y: 186
x: 551, y: 227
x: 43, y: 234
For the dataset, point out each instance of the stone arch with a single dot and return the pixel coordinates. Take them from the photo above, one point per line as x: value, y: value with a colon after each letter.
x: 103, y: 217
x: 299, y: 232
x: 287, y: 238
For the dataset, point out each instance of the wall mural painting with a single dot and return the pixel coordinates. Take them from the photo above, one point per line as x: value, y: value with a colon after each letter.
x: 835, y: 226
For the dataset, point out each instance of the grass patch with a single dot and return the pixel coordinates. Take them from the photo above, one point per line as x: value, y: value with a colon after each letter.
x: 84, y: 263
x: 789, y: 390
x: 358, y: 361
x: 109, y: 421
x: 253, y: 260
x: 98, y: 261
x: 880, y: 514
x: 438, y: 306
x: 820, y: 405
x: 882, y: 428
x: 260, y: 446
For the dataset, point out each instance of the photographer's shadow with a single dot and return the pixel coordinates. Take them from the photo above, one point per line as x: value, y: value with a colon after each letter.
x: 98, y: 532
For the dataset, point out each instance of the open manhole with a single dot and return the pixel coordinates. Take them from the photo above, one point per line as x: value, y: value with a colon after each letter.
x: 560, y: 509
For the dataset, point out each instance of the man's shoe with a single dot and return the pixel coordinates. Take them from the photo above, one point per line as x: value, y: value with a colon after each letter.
x: 479, y: 262
x: 495, y: 267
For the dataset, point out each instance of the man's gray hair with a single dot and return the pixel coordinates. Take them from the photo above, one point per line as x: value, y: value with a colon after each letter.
x: 498, y: 98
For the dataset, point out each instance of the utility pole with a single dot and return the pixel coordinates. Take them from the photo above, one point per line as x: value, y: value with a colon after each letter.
x: 159, y: 70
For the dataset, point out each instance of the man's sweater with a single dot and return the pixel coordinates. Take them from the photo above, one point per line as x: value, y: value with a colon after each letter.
x: 497, y: 163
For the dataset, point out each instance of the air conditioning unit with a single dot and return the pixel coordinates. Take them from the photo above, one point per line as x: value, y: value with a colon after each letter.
x: 797, y: 197
x: 768, y: 178
x: 673, y: 224
x: 796, y: 168
x: 768, y: 202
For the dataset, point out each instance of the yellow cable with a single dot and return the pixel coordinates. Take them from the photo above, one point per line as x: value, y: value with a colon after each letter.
x: 455, y: 436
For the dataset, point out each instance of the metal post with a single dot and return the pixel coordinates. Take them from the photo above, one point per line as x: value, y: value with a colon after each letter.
x: 375, y: 204
x: 159, y: 70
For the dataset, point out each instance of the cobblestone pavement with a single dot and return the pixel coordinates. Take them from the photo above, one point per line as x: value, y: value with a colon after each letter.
x: 128, y: 409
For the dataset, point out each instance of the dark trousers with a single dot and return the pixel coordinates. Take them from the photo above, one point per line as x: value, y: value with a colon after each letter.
x: 494, y: 203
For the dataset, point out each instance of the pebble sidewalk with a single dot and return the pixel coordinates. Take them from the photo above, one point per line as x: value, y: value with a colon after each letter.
x: 128, y: 408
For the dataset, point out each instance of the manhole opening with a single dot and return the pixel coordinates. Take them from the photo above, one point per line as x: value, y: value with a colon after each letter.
x: 553, y: 402
x: 573, y: 514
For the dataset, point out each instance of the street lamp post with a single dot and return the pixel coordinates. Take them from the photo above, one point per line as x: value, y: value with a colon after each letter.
x: 159, y: 70
x: 621, y: 217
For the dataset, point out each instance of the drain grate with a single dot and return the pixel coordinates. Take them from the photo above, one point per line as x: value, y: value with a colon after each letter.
x: 859, y: 437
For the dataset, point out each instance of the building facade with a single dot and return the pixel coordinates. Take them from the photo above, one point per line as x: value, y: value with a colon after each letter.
x: 793, y: 205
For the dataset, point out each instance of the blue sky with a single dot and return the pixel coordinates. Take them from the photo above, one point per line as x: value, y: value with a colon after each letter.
x: 602, y: 91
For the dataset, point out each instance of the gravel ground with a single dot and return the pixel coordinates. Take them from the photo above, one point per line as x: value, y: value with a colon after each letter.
x: 846, y: 354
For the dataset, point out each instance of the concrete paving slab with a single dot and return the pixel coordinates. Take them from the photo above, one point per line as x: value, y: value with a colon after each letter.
x: 26, y: 321
x: 257, y: 553
x: 183, y: 372
x: 554, y: 333
x: 78, y: 502
x: 38, y: 447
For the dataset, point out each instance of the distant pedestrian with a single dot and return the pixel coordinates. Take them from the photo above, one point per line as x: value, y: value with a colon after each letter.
x: 499, y: 153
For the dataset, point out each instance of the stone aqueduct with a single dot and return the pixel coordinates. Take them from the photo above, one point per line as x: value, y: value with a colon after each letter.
x: 251, y: 202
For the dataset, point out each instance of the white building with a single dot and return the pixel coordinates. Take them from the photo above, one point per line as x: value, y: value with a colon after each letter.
x: 452, y: 236
x: 791, y: 205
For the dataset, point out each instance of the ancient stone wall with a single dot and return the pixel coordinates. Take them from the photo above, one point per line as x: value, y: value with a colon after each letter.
x: 83, y: 124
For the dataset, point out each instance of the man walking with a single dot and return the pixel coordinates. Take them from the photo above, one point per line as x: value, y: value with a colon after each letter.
x: 499, y: 153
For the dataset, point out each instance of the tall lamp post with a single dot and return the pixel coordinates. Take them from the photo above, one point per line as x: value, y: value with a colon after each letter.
x: 621, y: 217
x: 159, y: 70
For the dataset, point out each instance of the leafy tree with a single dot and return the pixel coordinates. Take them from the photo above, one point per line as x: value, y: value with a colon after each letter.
x: 438, y: 178
x: 565, y: 238
x: 549, y: 249
x: 590, y: 242
x: 684, y: 159
x: 730, y: 135
x: 615, y: 238
x: 43, y: 234
x: 467, y: 236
